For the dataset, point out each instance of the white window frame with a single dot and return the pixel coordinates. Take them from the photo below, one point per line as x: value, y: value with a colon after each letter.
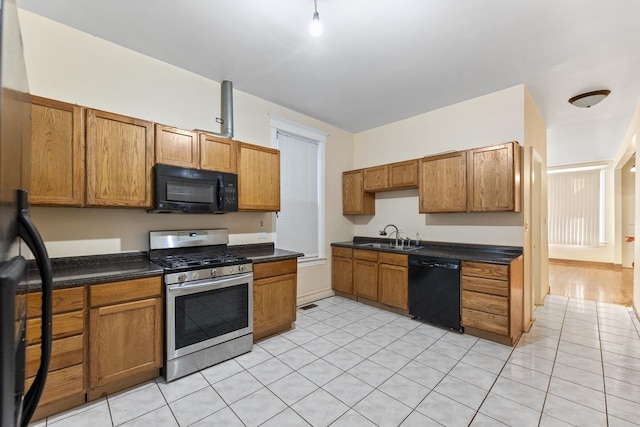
x: 290, y: 127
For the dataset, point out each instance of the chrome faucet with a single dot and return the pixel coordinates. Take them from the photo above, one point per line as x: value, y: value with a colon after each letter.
x: 383, y: 232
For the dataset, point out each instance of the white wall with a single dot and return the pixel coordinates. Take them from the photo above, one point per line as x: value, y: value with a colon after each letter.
x: 68, y: 65
x: 487, y: 120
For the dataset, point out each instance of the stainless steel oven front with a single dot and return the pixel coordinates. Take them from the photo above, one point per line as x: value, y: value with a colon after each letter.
x: 208, y: 321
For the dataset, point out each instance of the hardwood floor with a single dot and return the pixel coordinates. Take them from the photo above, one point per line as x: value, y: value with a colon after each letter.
x: 591, y: 281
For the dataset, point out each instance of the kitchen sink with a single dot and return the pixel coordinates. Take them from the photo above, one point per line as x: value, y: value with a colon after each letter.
x: 386, y: 246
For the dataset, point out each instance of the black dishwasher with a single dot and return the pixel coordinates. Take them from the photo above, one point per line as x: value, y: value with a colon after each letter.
x: 434, y: 290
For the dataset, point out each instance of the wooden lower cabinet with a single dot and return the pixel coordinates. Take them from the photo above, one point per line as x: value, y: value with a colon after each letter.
x: 342, y: 270
x: 393, y: 277
x: 492, y: 298
x: 65, y: 386
x: 275, y: 287
x: 125, y: 334
x: 365, y: 274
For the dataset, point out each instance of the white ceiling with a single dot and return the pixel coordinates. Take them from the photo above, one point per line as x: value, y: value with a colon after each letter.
x: 381, y: 61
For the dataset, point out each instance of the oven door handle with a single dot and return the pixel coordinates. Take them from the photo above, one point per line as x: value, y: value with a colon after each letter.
x: 209, y: 283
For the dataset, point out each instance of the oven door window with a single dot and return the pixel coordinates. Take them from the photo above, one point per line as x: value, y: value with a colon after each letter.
x: 206, y: 315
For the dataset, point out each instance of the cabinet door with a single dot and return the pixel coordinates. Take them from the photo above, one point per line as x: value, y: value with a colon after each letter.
x: 342, y: 274
x: 57, y: 153
x: 119, y: 160
x: 403, y: 175
x: 494, y: 178
x: 443, y: 183
x: 124, y: 339
x: 376, y: 178
x: 217, y: 154
x: 394, y: 281
x: 258, y: 178
x: 365, y: 279
x: 354, y: 200
x: 274, y: 304
x: 176, y: 147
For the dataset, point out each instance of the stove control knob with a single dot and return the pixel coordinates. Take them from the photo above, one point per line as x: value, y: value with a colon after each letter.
x: 182, y: 277
x: 214, y: 273
x: 195, y: 275
x: 241, y: 268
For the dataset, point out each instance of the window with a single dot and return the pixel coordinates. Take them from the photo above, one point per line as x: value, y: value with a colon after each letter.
x: 300, y: 222
x: 576, y: 206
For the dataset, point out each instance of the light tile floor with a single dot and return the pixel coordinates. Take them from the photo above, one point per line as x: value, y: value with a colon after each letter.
x: 349, y: 364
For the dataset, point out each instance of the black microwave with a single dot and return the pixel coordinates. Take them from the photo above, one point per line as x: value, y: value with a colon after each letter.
x: 185, y: 190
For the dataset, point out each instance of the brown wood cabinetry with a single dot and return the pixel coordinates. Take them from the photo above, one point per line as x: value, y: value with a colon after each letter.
x: 403, y: 175
x: 65, y: 386
x: 376, y: 178
x: 494, y: 178
x: 57, y: 153
x: 274, y: 297
x: 258, y: 178
x: 342, y: 270
x: 125, y: 334
x: 218, y: 154
x: 354, y: 199
x: 365, y: 274
x: 119, y: 160
x: 492, y: 298
x: 176, y: 147
x: 443, y: 183
x: 393, y: 277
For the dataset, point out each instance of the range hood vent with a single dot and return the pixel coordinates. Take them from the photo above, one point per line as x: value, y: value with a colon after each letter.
x: 226, y: 111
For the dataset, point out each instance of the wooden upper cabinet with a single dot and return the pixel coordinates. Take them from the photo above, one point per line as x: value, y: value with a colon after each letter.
x: 119, y: 160
x: 354, y: 199
x: 494, y: 178
x: 57, y: 153
x: 258, y: 178
x: 376, y: 178
x: 176, y: 147
x: 443, y: 183
x: 217, y: 154
x: 403, y: 175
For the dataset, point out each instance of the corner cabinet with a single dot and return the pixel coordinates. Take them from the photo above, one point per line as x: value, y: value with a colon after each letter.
x: 275, y: 288
x: 125, y: 334
x: 354, y: 199
x: 258, y: 178
x: 119, y: 160
x: 57, y: 153
x: 494, y: 178
x: 492, y: 300
x: 443, y: 183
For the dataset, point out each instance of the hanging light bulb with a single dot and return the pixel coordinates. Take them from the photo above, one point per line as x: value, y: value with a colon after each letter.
x: 315, y: 28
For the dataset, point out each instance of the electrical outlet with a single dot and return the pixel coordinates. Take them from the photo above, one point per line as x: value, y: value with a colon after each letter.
x: 261, y: 223
x: 262, y: 235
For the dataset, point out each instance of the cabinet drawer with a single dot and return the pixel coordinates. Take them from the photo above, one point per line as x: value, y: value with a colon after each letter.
x: 393, y: 259
x: 70, y: 299
x: 61, y: 383
x: 111, y: 293
x: 342, y: 252
x: 486, y: 270
x: 487, y: 303
x: 365, y: 255
x: 65, y: 352
x: 275, y: 268
x: 63, y: 325
x: 487, y: 286
x: 485, y: 321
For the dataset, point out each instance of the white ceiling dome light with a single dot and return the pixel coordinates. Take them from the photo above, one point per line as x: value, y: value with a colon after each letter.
x: 589, y: 99
x: 315, y: 28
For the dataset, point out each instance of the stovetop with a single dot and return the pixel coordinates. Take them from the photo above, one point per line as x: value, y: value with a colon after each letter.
x: 199, y: 260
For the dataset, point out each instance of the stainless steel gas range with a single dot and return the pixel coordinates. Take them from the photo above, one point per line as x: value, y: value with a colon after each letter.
x: 209, y: 299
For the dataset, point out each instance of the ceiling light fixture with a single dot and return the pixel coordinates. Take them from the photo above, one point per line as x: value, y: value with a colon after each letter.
x: 589, y: 99
x: 633, y: 169
x: 315, y: 28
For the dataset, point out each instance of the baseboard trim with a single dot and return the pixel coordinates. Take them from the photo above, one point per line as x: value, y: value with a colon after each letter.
x: 580, y: 263
x: 313, y: 296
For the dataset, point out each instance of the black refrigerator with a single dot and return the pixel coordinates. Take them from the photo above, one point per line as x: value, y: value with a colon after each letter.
x: 18, y: 236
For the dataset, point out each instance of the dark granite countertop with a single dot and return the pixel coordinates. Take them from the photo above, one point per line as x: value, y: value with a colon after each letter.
x: 94, y: 269
x: 461, y: 251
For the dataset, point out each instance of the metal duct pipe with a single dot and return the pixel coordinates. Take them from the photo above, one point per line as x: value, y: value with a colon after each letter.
x: 226, y: 108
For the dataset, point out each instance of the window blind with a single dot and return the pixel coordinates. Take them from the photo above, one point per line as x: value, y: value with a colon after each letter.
x: 575, y: 207
x: 297, y: 223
